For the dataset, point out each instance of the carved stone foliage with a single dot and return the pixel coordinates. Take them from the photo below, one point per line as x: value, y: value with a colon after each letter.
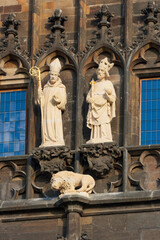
x: 103, y: 161
x: 50, y: 160
x: 53, y: 159
x: 145, y: 171
x: 57, y: 36
x: 12, y: 181
x: 11, y: 41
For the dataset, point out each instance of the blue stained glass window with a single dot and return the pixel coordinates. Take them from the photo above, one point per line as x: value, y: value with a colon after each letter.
x: 13, y: 96
x: 12, y: 122
x: 150, y: 111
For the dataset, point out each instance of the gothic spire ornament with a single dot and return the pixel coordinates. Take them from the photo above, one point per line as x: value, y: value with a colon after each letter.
x: 151, y: 12
x: 104, y: 15
x: 11, y: 24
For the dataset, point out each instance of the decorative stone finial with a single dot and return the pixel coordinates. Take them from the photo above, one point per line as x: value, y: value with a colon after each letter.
x: 105, y: 17
x: 11, y: 40
x: 57, y: 35
x: 151, y: 13
x: 58, y: 21
x: 11, y: 24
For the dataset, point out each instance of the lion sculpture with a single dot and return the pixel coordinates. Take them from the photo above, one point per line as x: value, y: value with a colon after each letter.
x: 70, y: 182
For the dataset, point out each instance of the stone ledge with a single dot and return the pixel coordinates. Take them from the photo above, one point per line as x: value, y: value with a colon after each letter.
x: 94, y: 201
x: 142, y: 147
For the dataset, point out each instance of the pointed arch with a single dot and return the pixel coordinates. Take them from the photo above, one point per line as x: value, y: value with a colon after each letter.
x: 137, y: 55
x: 115, y: 56
x: 13, y: 67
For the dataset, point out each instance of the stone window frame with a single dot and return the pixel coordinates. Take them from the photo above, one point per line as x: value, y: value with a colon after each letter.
x: 136, y: 75
x: 19, y: 81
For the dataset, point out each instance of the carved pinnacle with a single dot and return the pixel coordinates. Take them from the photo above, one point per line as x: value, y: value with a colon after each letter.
x: 58, y: 20
x: 151, y: 13
x: 11, y: 24
x: 105, y: 16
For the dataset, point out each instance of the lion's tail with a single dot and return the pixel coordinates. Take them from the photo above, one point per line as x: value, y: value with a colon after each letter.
x: 90, y: 188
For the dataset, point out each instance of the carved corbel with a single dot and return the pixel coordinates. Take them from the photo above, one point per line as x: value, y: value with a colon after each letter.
x: 100, y: 158
x: 53, y: 159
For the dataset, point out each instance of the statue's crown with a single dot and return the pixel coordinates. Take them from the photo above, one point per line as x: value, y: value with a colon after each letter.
x: 105, y: 64
x: 55, y: 66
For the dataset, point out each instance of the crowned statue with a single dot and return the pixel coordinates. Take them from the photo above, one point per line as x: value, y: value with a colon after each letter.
x: 101, y: 99
x: 52, y: 100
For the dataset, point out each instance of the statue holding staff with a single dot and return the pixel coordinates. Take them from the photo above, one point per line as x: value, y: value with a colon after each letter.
x: 101, y: 99
x: 52, y: 100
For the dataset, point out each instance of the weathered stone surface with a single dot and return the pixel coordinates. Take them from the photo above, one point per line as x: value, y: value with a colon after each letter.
x: 29, y: 208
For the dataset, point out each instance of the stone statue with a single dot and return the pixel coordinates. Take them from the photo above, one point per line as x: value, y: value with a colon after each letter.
x: 67, y: 182
x: 52, y: 100
x: 101, y: 99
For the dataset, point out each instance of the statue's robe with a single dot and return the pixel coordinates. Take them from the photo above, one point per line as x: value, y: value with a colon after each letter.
x: 101, y: 111
x: 51, y: 113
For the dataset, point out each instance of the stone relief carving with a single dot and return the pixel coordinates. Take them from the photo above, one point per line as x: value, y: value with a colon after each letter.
x: 52, y: 100
x: 40, y: 182
x: 68, y: 182
x: 101, y: 99
x: 53, y: 160
x: 12, y: 180
x: 145, y: 172
x: 104, y: 162
x: 100, y: 157
x: 50, y: 160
